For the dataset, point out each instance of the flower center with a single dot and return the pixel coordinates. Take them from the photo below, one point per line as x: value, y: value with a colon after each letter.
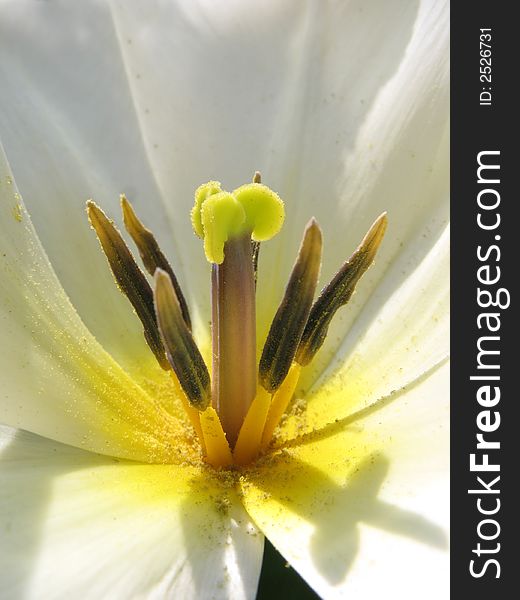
x: 236, y: 410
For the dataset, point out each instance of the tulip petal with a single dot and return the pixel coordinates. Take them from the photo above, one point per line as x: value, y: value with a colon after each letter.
x: 362, y: 511
x: 69, y: 128
x: 397, y: 160
x: 57, y: 380
x: 193, y: 90
x: 77, y: 525
x: 398, y: 163
x: 342, y: 106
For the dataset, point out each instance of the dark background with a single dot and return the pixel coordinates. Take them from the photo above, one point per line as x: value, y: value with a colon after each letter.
x: 476, y: 128
x: 279, y: 580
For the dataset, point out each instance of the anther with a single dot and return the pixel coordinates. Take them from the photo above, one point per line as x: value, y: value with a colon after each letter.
x: 181, y: 350
x: 129, y: 278
x: 150, y: 252
x: 339, y: 291
x: 290, y: 319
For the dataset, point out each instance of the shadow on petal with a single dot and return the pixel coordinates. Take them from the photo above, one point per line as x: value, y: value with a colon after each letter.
x: 300, y: 494
x: 357, y: 503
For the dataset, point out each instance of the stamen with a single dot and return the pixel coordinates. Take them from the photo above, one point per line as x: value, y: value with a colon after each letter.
x: 339, y: 291
x: 248, y: 442
x: 279, y: 403
x: 181, y: 350
x: 218, y: 453
x: 290, y: 319
x: 129, y: 277
x: 151, y: 254
x: 192, y: 413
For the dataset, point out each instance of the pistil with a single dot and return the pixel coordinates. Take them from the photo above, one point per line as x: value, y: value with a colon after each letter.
x: 232, y: 225
x: 233, y: 334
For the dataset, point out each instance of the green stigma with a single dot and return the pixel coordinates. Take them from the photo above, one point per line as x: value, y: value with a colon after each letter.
x: 252, y: 209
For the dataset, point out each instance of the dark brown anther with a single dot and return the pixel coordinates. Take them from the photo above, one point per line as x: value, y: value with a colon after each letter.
x: 290, y: 319
x: 129, y: 278
x: 339, y: 291
x: 151, y: 255
x: 181, y: 350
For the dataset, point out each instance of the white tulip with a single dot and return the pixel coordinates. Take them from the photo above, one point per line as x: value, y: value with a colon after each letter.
x: 343, y: 107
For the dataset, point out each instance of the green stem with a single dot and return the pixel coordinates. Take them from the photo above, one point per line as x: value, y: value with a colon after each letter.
x: 233, y: 335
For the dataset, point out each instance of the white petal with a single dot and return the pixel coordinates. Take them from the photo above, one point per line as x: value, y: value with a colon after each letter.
x: 68, y: 125
x: 76, y: 525
x: 397, y: 161
x: 362, y: 511
x: 343, y: 106
x: 56, y: 379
